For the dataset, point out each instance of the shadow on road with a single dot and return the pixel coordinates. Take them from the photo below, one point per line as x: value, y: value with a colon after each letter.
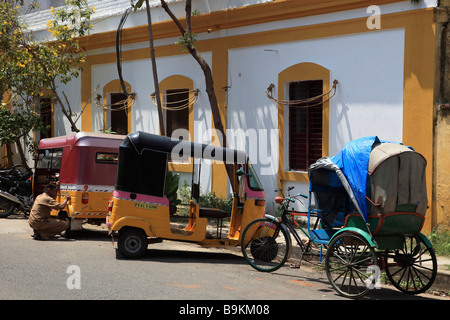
x: 187, y: 256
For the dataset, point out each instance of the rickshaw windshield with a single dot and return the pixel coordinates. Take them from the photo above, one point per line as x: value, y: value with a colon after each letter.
x: 49, y: 159
x: 253, y: 180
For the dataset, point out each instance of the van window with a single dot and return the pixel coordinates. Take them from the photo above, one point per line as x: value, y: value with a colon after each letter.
x: 49, y: 159
x: 104, y: 157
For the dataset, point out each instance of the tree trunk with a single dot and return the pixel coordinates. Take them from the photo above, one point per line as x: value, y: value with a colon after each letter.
x: 217, y: 118
x: 22, y: 154
x: 155, y: 73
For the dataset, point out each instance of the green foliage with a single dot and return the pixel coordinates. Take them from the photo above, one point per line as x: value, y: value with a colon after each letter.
x: 109, y: 131
x: 171, y: 187
x: 14, y: 125
x: 28, y: 67
x: 184, y: 192
x: 440, y: 238
x: 187, y: 40
x: 208, y: 200
x: 211, y: 200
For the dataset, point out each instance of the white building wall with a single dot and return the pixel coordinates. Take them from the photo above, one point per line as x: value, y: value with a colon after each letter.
x: 369, y: 98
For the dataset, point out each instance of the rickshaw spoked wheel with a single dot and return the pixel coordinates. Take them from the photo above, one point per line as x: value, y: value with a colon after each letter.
x: 348, y: 264
x: 132, y: 243
x: 265, y: 245
x: 413, y: 268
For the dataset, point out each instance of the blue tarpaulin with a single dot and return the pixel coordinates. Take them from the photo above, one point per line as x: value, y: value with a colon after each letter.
x: 349, y: 170
x: 353, y: 161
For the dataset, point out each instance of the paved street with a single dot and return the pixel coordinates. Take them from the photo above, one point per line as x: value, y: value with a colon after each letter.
x: 170, y: 270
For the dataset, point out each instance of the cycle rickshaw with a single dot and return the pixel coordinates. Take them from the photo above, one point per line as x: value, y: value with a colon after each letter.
x: 368, y: 203
x: 140, y: 209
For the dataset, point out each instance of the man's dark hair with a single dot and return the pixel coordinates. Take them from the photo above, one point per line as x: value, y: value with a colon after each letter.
x: 50, y: 186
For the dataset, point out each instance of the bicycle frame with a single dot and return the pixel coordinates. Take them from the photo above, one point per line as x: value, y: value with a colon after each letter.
x: 285, y: 222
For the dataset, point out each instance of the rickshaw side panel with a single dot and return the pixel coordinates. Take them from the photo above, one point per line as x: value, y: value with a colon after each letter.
x: 134, y: 222
x: 389, y: 224
x: 358, y: 231
x: 82, y: 166
x: 152, y: 215
x: 243, y: 213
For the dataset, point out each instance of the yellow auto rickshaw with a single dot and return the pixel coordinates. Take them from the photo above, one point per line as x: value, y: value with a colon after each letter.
x: 140, y: 210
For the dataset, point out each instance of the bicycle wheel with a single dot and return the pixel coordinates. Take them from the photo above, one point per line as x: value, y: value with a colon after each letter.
x: 412, y: 269
x: 349, y: 264
x: 265, y: 244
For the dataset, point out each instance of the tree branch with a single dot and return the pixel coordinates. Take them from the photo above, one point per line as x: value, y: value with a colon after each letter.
x: 172, y: 16
x: 188, y: 10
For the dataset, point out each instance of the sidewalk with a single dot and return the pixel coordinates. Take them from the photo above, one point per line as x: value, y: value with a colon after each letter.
x: 442, y: 282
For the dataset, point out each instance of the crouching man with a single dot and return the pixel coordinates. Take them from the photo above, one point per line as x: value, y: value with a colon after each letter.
x: 43, y: 225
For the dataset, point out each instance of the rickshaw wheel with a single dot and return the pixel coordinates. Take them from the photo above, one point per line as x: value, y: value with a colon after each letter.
x: 265, y: 245
x: 412, y: 269
x: 349, y: 264
x: 132, y: 243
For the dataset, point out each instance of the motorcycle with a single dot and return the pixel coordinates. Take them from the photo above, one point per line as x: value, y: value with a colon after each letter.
x: 15, y: 191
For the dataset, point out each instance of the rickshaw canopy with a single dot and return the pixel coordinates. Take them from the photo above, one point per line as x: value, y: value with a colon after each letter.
x: 141, y: 141
x: 143, y: 159
x: 365, y: 166
x: 82, y: 152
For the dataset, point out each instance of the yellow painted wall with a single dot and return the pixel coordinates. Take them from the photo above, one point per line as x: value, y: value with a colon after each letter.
x: 441, y: 199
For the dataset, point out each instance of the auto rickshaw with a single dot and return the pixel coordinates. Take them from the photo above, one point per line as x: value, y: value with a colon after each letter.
x: 85, y: 166
x: 140, y: 211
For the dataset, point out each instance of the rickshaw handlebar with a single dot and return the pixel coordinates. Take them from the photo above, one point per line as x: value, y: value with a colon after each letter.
x: 292, y: 199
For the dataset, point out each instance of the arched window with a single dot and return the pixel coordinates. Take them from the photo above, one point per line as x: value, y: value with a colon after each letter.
x: 304, y: 125
x: 177, y: 98
x: 116, y: 111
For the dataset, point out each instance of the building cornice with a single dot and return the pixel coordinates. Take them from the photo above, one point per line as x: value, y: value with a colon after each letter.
x: 231, y: 18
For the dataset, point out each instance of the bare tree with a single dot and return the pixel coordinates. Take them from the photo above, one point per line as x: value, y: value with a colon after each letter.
x: 155, y: 73
x: 187, y: 41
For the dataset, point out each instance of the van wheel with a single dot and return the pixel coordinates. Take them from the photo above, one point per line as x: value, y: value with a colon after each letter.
x: 132, y: 243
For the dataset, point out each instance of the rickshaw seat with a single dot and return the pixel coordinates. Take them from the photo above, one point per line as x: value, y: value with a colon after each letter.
x: 212, y: 213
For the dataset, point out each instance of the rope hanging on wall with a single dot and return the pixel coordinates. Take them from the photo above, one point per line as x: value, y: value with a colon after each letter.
x: 125, y: 103
x: 185, y: 103
x: 295, y: 103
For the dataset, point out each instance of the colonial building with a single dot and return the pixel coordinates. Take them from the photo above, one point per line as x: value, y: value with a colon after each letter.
x: 372, y: 63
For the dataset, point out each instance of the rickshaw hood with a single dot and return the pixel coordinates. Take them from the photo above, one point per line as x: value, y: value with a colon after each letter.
x: 85, y: 138
x: 353, y: 162
x: 141, y: 141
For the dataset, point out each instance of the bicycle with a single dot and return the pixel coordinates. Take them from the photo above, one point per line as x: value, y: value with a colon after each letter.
x: 266, y: 242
